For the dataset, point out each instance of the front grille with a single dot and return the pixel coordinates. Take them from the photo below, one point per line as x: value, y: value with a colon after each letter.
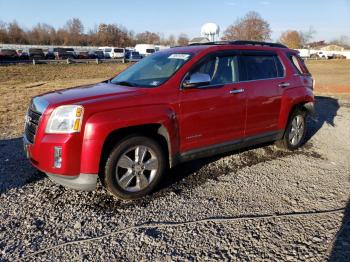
x: 31, y: 126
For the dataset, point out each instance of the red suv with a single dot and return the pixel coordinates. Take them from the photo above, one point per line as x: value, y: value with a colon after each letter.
x: 176, y: 105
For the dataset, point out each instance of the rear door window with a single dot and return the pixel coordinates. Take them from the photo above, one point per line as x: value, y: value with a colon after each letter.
x: 262, y: 67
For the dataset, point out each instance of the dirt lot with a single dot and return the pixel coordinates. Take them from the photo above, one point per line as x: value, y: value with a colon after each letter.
x: 261, y: 204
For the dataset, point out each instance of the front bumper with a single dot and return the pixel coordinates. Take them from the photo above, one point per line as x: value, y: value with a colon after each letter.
x: 86, y: 182
x: 41, y: 157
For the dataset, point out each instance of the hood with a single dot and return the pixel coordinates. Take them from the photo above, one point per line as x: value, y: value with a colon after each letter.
x: 82, y: 94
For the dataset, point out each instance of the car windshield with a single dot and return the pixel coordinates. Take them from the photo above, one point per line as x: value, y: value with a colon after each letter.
x: 153, y: 70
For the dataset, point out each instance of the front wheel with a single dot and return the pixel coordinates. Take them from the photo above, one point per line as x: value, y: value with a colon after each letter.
x: 134, y: 167
x: 295, y: 133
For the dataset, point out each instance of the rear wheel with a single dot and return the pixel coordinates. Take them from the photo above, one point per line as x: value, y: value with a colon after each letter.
x: 295, y: 133
x: 134, y: 167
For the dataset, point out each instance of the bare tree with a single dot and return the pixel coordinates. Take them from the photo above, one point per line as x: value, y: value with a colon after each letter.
x: 172, y: 40
x: 3, y: 32
x: 16, y: 34
x: 307, y: 36
x: 112, y: 35
x: 148, y: 38
x: 343, y: 41
x: 42, y: 34
x: 183, y: 39
x: 74, y: 32
x: 251, y: 27
x: 291, y: 38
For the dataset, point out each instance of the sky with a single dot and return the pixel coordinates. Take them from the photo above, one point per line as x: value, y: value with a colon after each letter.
x: 330, y: 19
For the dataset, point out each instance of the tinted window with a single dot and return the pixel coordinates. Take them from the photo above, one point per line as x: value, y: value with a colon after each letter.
x: 108, y: 50
x: 222, y: 70
x: 150, y: 51
x: 119, y: 50
x: 262, y: 67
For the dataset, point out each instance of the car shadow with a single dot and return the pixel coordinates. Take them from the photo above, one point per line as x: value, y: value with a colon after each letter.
x: 341, y: 245
x: 15, y: 170
x: 326, y: 109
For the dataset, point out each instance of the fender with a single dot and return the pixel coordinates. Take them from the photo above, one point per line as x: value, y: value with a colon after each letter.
x: 100, y: 125
x: 292, y: 99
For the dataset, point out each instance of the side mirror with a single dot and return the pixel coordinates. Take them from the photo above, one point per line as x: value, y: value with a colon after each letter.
x: 196, y: 80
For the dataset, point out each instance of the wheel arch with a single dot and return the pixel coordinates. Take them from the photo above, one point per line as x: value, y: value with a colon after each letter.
x: 303, y: 106
x: 156, y: 131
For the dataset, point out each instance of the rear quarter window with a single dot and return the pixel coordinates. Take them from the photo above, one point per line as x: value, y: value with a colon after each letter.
x: 298, y: 64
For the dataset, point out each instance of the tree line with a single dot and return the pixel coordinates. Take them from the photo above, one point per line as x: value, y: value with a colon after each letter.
x: 253, y: 27
x: 73, y: 33
x: 250, y: 27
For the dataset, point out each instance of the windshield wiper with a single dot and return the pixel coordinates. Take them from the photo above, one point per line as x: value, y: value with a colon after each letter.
x: 125, y: 83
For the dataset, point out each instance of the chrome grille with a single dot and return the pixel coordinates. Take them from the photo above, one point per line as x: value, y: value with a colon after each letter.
x: 31, y: 126
x: 36, y: 109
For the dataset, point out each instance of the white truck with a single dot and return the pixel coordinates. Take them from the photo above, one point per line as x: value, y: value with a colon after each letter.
x: 113, y: 52
x: 145, y: 49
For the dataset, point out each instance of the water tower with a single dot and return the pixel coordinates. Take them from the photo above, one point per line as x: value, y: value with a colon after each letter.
x: 211, y: 31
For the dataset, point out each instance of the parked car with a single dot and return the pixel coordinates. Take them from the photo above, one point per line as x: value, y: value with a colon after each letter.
x: 71, y: 51
x: 36, y: 53
x: 320, y: 55
x: 22, y: 55
x: 82, y: 55
x: 338, y: 56
x: 96, y: 54
x: 113, y: 52
x: 173, y: 106
x: 8, y: 54
x: 145, y: 49
x: 133, y: 55
x: 63, y: 53
x: 50, y: 54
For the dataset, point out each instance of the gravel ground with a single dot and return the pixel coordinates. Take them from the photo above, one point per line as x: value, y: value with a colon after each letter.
x: 261, y: 204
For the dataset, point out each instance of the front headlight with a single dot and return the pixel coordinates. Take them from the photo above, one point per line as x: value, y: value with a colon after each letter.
x: 65, y: 120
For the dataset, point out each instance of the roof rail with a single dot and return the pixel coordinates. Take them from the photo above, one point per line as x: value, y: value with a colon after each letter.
x: 242, y: 42
x: 245, y: 42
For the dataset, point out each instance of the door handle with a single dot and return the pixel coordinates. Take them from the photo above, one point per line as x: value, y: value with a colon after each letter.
x: 237, y: 91
x: 284, y: 84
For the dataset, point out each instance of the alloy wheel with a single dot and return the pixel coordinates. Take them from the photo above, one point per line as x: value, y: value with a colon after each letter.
x: 136, y: 168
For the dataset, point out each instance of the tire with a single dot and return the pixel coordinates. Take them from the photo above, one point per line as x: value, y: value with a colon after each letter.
x: 134, y: 167
x: 289, y: 141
